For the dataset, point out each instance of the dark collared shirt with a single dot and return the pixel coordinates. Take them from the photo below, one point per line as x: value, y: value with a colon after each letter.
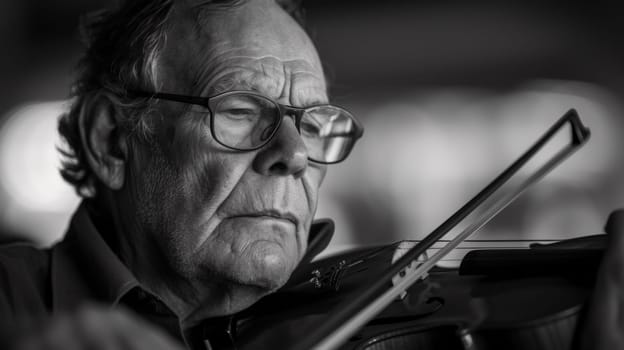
x: 82, y: 268
x: 36, y: 283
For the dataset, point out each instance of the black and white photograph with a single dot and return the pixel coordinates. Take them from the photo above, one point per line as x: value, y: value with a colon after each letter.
x: 311, y: 174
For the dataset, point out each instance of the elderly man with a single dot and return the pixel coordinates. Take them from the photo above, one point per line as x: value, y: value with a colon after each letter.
x: 199, y: 136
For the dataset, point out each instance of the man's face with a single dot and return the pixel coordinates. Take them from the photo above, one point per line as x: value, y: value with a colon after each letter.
x: 217, y: 216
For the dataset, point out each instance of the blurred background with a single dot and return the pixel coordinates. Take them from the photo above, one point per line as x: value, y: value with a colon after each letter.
x: 449, y: 92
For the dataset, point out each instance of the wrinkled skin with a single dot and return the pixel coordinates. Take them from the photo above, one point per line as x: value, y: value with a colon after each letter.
x: 208, y: 229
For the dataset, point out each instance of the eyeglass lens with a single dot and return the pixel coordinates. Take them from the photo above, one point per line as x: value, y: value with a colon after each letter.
x: 247, y: 121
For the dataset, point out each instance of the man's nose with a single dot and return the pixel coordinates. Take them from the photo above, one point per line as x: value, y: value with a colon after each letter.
x: 285, y: 154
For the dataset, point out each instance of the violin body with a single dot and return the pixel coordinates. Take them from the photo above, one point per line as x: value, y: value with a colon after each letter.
x: 477, y: 312
x: 496, y: 299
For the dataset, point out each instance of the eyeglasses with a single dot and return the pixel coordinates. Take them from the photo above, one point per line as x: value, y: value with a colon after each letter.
x: 246, y: 121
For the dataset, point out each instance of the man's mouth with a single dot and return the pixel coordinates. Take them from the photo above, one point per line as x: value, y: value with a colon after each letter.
x: 272, y: 214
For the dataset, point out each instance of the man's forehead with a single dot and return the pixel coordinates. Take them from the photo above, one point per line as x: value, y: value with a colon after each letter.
x: 295, y: 80
x: 264, y: 73
x: 232, y: 50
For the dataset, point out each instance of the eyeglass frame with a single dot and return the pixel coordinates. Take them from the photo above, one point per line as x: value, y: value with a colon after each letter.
x: 284, y: 110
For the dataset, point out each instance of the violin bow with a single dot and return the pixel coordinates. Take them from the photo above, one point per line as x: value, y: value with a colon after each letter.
x: 376, y: 297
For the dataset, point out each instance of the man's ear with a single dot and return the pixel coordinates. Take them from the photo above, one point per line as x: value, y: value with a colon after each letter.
x: 104, y: 141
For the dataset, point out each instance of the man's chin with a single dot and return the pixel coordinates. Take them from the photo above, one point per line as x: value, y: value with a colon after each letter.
x: 265, y: 263
x: 269, y: 271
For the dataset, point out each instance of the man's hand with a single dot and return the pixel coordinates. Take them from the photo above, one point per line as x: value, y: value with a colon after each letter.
x: 604, y: 326
x: 97, y: 328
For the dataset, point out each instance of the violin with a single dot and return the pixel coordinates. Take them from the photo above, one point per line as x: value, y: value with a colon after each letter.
x: 398, y: 297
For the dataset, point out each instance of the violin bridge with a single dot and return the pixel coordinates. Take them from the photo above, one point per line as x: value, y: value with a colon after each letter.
x: 399, y: 251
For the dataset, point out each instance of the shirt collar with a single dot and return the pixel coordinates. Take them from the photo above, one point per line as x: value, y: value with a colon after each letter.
x: 85, y: 267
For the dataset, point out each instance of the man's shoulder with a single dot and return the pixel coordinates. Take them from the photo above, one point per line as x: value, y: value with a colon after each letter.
x: 24, y: 278
x: 21, y: 249
x: 24, y: 257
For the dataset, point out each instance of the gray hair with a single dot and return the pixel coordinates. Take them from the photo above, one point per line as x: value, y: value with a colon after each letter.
x: 122, y: 50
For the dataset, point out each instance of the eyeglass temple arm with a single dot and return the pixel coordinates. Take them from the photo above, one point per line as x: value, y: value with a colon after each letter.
x: 202, y: 101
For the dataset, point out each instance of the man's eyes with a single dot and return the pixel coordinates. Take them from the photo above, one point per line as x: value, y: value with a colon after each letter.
x: 239, y: 108
x: 239, y: 113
